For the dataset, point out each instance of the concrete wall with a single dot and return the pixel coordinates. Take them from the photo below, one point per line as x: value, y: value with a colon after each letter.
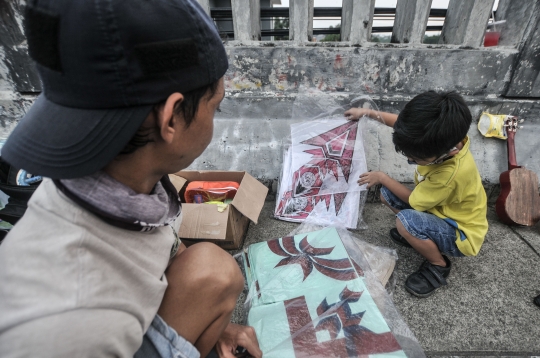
x: 265, y: 81
x: 18, y: 77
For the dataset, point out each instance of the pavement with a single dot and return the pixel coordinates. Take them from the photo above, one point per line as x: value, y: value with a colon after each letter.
x: 485, y: 311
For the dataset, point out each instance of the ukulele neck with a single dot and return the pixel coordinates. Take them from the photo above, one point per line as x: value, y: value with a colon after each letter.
x: 512, y: 161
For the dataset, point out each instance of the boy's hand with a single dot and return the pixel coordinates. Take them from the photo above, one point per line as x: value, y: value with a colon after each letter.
x: 355, y: 114
x: 371, y: 178
x: 236, y: 335
x: 386, y: 118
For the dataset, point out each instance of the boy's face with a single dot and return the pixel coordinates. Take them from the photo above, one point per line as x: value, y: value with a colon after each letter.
x: 432, y: 160
x: 429, y: 161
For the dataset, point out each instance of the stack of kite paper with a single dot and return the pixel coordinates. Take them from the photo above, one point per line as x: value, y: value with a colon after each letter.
x: 320, y: 173
x: 309, y: 299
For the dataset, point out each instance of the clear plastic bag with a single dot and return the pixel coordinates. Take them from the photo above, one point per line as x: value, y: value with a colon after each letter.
x: 327, y: 157
x: 340, y: 209
x: 313, y: 294
x: 320, y: 169
x: 312, y: 104
x: 327, y: 150
x: 381, y: 260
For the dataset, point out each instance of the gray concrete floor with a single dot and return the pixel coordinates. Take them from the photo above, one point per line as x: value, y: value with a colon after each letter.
x: 486, y: 309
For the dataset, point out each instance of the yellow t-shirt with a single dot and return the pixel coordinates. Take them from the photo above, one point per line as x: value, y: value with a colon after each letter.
x: 452, y: 190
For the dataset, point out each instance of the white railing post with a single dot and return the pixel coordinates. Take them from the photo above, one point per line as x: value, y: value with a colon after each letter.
x: 301, y: 20
x: 246, y: 20
x: 466, y: 22
x: 205, y: 4
x: 357, y: 20
x: 411, y: 21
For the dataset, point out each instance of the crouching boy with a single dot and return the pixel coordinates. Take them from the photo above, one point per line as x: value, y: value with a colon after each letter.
x: 445, y: 214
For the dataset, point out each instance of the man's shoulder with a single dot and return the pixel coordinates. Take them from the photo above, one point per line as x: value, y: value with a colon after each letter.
x: 48, y: 215
x: 48, y: 198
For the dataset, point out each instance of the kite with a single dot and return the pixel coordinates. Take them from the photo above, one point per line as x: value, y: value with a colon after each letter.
x: 327, y: 157
x: 340, y: 209
x: 309, y: 299
x: 320, y: 172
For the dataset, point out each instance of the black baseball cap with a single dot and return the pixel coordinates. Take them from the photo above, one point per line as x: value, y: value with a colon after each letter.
x: 104, y: 64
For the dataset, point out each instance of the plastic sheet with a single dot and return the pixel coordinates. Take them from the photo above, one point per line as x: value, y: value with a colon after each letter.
x: 313, y: 294
x: 312, y: 104
x: 340, y: 209
x: 327, y: 157
x: 327, y: 150
x: 381, y: 260
x: 320, y: 169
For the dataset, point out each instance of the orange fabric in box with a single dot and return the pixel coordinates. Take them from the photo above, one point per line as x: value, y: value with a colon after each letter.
x: 211, y: 190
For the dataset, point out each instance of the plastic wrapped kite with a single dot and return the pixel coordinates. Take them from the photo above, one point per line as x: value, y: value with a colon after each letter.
x: 323, y: 163
x: 313, y: 295
x: 339, y: 209
x: 327, y: 157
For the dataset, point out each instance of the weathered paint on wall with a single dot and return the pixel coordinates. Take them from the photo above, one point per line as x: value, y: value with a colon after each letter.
x: 376, y: 70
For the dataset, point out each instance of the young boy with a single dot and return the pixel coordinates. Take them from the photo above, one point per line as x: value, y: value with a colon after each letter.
x: 445, y: 214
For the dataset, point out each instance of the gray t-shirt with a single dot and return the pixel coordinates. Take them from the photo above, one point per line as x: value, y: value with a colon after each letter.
x: 72, y: 285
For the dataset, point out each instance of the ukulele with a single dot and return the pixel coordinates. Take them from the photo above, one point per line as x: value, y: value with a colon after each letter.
x: 519, y: 201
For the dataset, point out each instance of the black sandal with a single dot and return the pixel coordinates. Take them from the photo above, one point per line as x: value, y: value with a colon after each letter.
x: 536, y: 300
x: 428, y: 278
x: 398, y: 239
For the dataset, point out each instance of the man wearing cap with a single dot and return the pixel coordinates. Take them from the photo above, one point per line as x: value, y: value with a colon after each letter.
x: 95, y: 267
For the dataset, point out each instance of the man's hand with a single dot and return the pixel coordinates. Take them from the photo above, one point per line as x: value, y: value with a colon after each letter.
x: 371, y: 178
x: 236, y: 335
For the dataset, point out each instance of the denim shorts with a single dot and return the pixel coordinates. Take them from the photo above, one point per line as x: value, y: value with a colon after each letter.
x: 162, y: 341
x: 425, y: 226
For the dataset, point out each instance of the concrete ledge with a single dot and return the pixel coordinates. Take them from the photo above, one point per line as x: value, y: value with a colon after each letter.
x: 374, y: 70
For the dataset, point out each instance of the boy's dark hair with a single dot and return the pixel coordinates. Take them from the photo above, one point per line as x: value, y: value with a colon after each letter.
x: 431, y: 124
x: 187, y: 108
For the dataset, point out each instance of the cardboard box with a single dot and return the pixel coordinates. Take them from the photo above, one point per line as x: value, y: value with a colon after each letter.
x: 203, y: 222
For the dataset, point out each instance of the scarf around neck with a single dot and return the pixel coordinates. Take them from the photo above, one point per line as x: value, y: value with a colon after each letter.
x: 119, y: 205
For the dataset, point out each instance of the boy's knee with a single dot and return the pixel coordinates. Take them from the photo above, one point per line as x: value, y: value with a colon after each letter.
x: 383, y: 200
x: 401, y: 228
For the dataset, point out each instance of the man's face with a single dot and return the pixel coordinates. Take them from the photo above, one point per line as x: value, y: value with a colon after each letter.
x: 192, y: 141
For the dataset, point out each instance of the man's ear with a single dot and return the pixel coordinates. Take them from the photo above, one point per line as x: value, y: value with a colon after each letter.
x: 167, y: 119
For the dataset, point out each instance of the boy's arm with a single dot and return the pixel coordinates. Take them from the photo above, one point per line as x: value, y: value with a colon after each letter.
x: 354, y: 114
x: 374, y: 178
